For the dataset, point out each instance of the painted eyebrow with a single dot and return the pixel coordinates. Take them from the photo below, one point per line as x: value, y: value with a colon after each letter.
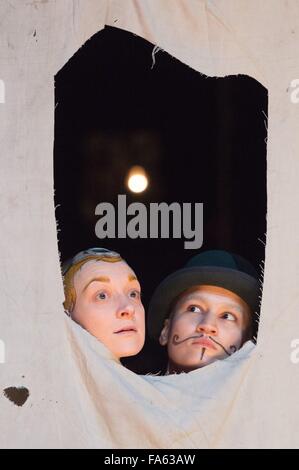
x: 193, y: 299
x: 97, y: 279
x: 131, y: 277
x: 233, y: 308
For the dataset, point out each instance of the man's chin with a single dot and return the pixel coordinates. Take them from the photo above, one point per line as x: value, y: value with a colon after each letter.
x: 209, y: 359
x: 189, y: 366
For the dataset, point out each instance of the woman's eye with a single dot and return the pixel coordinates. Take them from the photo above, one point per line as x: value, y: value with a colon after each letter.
x: 135, y: 294
x: 194, y: 308
x: 228, y: 316
x: 102, y: 295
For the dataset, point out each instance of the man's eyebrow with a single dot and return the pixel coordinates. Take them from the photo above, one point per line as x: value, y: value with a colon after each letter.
x: 132, y: 277
x: 191, y: 296
x: 233, y: 307
x: 196, y: 296
x: 97, y: 279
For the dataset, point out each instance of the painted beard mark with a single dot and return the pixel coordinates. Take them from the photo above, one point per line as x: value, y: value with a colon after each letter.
x: 232, y: 347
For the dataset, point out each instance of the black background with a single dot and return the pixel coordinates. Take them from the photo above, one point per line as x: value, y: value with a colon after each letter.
x: 200, y: 139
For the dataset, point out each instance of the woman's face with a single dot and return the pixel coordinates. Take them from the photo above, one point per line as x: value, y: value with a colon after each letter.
x: 108, y: 305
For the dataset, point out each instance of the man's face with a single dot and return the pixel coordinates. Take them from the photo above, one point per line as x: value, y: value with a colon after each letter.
x: 206, y: 324
x: 108, y: 305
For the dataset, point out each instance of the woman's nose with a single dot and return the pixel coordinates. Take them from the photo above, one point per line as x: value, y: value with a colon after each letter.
x: 126, y: 310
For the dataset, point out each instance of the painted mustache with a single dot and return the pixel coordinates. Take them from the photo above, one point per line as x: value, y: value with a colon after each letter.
x: 176, y: 342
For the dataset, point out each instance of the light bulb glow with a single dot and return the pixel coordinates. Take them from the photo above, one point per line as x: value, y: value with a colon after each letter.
x: 137, y: 180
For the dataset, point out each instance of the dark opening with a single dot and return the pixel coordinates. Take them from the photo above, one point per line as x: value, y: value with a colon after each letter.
x: 200, y: 139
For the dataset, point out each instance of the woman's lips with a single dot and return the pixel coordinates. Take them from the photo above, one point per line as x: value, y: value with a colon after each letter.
x: 205, y: 343
x: 126, y: 330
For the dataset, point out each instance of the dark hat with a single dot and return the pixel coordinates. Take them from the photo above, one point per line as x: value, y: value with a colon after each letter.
x: 215, y: 268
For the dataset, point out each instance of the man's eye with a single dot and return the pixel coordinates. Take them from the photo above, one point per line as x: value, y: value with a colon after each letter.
x: 102, y: 295
x: 194, y: 308
x: 228, y: 316
x: 135, y: 294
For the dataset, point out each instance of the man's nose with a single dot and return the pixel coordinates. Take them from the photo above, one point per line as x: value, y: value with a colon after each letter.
x: 125, y: 310
x: 207, y: 325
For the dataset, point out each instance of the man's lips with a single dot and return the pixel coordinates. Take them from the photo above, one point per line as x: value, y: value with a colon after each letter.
x: 125, y: 330
x: 205, y: 343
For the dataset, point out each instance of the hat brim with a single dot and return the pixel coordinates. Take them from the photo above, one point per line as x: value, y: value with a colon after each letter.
x: 240, y: 283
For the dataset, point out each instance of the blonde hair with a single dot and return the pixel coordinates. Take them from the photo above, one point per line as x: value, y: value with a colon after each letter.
x: 68, y: 278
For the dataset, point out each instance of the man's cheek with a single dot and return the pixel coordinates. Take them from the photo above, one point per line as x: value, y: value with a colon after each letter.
x: 237, y: 339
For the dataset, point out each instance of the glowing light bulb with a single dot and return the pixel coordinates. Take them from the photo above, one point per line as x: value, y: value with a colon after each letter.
x: 137, y: 180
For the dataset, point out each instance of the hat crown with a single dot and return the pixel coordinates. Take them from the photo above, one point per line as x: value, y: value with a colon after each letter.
x: 222, y: 259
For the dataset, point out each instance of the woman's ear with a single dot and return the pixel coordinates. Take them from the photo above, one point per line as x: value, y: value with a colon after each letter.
x: 163, y: 340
